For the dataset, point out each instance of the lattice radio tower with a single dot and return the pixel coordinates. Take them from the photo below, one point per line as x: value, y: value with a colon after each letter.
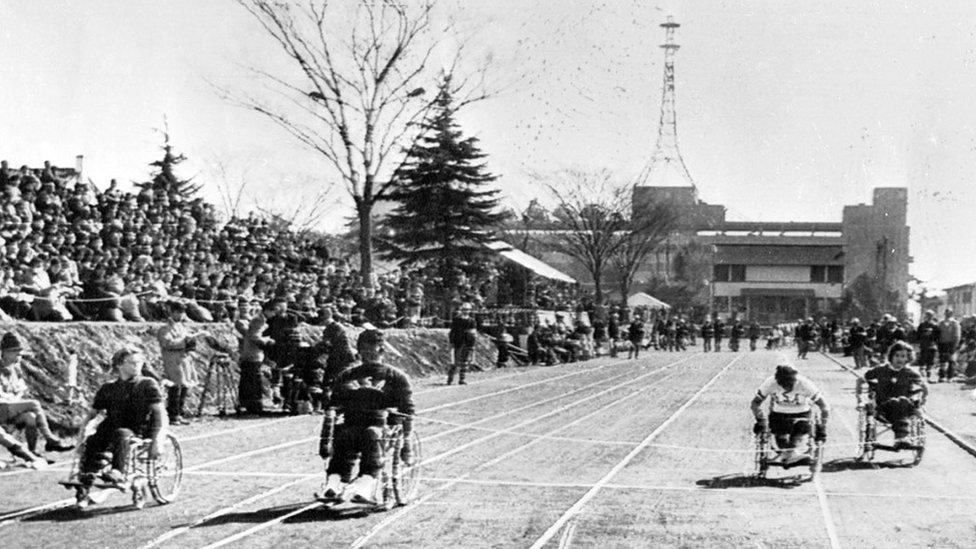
x: 666, y: 159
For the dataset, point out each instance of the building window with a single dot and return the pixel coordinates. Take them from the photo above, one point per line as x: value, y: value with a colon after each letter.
x: 818, y: 273
x: 729, y: 273
x: 835, y: 274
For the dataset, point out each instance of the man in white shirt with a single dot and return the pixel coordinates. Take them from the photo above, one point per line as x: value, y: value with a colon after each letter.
x: 790, y: 396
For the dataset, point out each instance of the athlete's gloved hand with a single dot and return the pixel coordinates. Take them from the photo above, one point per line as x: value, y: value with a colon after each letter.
x: 325, y: 448
x: 820, y: 433
x: 760, y: 426
x: 406, y: 453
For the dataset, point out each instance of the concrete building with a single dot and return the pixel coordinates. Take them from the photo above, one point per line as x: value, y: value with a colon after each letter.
x: 960, y: 299
x: 781, y: 271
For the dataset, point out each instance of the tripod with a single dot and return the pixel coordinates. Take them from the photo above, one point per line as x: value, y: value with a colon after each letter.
x: 218, y: 372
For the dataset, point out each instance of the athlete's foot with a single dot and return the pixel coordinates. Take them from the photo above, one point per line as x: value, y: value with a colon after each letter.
x: 55, y: 445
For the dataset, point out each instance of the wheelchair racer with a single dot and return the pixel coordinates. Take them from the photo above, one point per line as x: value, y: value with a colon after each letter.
x: 790, y: 396
x: 133, y: 406
x: 895, y: 391
x: 363, y: 395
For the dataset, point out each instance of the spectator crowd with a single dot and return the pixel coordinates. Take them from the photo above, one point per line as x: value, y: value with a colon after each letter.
x: 69, y: 251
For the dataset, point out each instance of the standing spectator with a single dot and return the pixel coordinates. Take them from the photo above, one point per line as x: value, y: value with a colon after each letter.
x: 736, y: 336
x: 336, y: 344
x: 613, y: 332
x: 754, y: 332
x: 858, y: 340
x: 462, y: 338
x: 599, y: 334
x: 250, y: 391
x: 176, y: 342
x: 707, y: 333
x: 719, y: 330
x: 950, y: 334
x: 927, y: 336
x: 635, y: 334
x: 806, y: 335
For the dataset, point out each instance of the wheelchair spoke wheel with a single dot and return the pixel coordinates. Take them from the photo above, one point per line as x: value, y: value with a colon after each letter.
x: 762, y: 455
x: 406, y: 478
x: 918, y: 438
x: 166, y: 473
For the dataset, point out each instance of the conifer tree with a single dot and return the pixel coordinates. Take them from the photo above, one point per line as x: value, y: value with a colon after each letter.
x: 446, y: 209
x: 165, y: 179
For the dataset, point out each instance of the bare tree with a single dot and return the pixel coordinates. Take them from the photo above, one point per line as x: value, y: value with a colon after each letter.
x: 231, y: 192
x: 650, y: 225
x: 591, y: 219
x: 360, y: 71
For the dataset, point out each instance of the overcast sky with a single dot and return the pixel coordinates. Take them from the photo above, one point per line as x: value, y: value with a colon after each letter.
x: 786, y: 111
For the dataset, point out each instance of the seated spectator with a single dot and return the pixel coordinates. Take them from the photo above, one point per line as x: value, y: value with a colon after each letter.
x: 15, y: 407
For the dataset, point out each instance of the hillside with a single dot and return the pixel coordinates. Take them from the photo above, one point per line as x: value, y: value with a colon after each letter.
x: 420, y: 352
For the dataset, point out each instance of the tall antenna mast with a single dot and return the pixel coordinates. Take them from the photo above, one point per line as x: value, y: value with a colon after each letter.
x: 666, y: 160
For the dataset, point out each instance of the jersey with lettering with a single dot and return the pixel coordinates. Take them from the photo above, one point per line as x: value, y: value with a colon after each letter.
x: 794, y: 401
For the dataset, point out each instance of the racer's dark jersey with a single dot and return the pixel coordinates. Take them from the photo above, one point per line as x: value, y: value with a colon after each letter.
x: 127, y: 404
x: 364, y: 391
x: 888, y: 383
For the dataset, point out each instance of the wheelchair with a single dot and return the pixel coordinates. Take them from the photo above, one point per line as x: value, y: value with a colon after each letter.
x: 766, y: 450
x: 159, y: 478
x: 399, y: 481
x: 871, y: 427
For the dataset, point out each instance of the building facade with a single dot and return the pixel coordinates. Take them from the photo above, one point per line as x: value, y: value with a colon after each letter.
x: 782, y: 271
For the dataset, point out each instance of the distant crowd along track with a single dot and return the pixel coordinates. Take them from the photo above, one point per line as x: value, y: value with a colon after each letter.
x: 35, y: 510
x: 955, y: 438
x: 629, y: 374
x: 392, y: 519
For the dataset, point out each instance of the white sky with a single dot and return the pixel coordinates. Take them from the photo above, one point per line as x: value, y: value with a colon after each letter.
x: 786, y: 110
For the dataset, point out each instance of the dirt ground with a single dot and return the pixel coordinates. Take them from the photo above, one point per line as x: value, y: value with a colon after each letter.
x: 655, y: 452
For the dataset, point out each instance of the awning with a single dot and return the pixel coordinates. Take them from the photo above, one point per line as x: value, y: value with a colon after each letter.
x: 536, y: 266
x: 640, y: 299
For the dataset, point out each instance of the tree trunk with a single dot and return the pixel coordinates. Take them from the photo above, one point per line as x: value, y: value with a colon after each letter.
x: 364, y: 211
x: 597, y: 275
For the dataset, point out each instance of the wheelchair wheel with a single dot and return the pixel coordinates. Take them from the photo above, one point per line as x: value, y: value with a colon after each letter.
x: 164, y: 475
x: 762, y: 454
x: 917, y: 436
x: 867, y: 432
x: 406, y: 478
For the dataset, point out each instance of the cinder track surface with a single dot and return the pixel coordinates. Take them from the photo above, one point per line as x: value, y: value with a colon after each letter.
x: 617, y: 453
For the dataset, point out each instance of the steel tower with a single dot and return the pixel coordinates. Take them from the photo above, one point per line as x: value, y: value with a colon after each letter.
x: 666, y: 167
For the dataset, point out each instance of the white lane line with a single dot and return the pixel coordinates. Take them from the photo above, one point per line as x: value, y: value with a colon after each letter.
x: 362, y: 540
x: 578, y: 506
x: 262, y: 526
x: 828, y: 518
x: 566, y: 540
x: 183, y: 529
x: 219, y: 512
x: 316, y: 505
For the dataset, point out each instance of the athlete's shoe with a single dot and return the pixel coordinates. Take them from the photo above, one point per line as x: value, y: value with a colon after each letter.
x: 783, y: 456
x: 333, y: 487
x: 901, y: 443
x: 361, y: 490
x: 797, y: 459
x: 55, y: 445
x: 116, y: 478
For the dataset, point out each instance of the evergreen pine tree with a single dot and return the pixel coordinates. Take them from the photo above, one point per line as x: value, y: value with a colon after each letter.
x: 165, y: 179
x: 446, y: 210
